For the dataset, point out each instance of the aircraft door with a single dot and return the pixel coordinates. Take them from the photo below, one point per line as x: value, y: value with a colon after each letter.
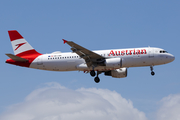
x: 151, y: 52
x: 150, y: 60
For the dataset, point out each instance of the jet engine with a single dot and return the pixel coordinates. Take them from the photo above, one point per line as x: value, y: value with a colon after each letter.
x: 118, y: 73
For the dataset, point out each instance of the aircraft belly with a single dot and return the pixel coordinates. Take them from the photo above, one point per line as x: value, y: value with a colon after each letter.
x: 56, y: 65
x: 62, y: 65
x: 71, y: 64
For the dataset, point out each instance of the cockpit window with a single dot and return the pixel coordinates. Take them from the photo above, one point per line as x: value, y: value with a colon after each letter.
x: 163, y: 51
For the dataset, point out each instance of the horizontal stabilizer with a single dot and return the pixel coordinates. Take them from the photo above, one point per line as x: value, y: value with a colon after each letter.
x: 16, y: 58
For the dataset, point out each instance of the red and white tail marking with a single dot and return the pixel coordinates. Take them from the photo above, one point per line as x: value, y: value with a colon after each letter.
x: 22, y: 49
x: 20, y: 46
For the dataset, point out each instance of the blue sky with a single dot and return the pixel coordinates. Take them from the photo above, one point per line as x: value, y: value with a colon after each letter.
x: 95, y: 25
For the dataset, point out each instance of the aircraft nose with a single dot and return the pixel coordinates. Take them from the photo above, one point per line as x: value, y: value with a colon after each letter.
x: 171, y: 57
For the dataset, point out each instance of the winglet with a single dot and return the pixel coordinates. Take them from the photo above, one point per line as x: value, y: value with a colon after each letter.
x: 65, y: 41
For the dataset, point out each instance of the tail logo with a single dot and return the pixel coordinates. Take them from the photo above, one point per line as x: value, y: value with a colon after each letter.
x: 19, y: 45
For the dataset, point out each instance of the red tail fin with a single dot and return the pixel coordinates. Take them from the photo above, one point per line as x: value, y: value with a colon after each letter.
x: 20, y: 46
x: 22, y: 49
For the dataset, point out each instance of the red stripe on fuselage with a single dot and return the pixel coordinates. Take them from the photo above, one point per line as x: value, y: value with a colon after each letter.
x: 30, y: 55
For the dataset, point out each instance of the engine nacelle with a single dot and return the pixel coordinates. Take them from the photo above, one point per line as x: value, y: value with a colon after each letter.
x: 113, y: 62
x: 118, y: 73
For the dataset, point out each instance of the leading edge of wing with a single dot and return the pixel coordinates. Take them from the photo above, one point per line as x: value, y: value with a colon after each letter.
x: 83, y: 51
x: 89, y: 56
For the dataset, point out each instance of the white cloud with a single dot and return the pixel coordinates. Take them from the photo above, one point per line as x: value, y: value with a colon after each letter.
x: 55, y: 102
x: 170, y: 108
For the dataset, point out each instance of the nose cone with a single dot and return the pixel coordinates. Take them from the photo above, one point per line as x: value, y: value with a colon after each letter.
x: 171, y: 57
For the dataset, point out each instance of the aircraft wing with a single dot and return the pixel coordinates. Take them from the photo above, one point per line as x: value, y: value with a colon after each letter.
x: 90, y: 57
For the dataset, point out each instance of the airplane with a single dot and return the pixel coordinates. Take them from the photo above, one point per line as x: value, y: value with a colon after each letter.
x: 113, y: 62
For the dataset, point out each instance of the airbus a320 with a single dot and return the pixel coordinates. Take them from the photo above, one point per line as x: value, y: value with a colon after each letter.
x: 113, y: 62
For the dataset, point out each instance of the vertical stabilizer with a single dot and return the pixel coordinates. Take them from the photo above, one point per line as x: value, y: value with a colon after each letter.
x: 20, y: 46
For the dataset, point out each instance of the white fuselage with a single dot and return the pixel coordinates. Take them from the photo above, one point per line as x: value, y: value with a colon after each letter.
x: 112, y: 62
x: 133, y: 57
